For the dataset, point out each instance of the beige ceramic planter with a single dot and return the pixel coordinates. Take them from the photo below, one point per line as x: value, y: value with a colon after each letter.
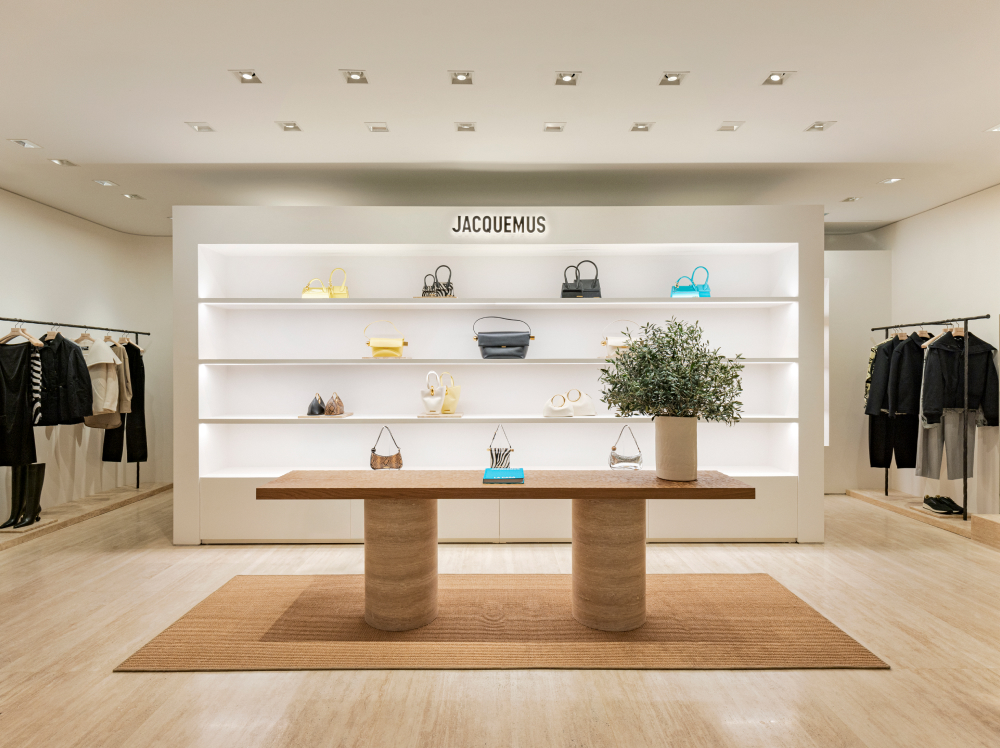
x: 676, y: 448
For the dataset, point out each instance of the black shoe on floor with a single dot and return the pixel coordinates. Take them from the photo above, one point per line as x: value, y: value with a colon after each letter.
x: 934, y: 504
x: 946, y: 501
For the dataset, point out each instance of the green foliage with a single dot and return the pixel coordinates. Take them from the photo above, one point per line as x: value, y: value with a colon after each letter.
x: 670, y: 371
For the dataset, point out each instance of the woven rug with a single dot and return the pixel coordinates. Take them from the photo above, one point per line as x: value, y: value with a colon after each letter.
x: 489, y: 621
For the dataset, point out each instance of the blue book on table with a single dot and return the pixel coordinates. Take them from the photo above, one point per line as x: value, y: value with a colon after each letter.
x: 508, y: 475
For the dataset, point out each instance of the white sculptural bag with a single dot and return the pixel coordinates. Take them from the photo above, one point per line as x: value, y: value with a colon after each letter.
x: 583, y: 405
x: 433, y: 396
x: 562, y: 410
x: 615, y: 344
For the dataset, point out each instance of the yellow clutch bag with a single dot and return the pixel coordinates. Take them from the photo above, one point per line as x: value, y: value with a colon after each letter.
x: 338, y: 292
x: 451, y: 394
x: 315, y: 293
x: 386, y: 347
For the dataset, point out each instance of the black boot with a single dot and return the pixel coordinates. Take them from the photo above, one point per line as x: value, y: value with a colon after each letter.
x: 17, y: 475
x: 32, y: 495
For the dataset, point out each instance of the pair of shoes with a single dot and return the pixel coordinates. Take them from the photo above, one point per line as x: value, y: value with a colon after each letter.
x: 26, y: 495
x: 941, y: 505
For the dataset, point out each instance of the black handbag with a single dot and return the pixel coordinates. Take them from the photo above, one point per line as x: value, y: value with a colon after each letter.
x: 503, y: 344
x: 586, y: 288
x: 437, y: 287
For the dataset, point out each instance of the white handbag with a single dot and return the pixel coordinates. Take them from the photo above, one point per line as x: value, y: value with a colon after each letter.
x: 583, y: 405
x: 616, y: 343
x: 433, y: 396
x: 563, y: 410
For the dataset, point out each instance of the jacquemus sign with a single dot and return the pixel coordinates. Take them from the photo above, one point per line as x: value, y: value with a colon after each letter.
x: 499, y: 225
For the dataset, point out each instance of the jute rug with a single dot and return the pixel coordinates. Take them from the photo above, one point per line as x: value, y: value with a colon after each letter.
x: 487, y: 621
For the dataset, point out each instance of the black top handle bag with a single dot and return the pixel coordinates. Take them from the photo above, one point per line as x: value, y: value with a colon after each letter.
x: 503, y: 344
x: 581, y: 288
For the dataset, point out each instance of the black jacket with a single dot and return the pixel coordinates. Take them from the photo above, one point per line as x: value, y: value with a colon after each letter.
x: 878, y: 393
x: 944, y: 378
x: 906, y: 372
x: 67, y: 394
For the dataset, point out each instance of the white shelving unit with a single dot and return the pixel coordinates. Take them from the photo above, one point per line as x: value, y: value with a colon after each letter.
x: 260, y: 354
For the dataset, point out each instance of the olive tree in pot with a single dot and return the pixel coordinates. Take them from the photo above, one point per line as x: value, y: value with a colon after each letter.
x: 670, y: 374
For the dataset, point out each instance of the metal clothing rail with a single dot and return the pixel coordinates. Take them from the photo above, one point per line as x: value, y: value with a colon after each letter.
x: 137, y: 333
x: 22, y: 320
x: 965, y: 398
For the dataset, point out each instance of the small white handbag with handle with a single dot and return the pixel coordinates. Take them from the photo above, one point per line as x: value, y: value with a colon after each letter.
x: 562, y: 410
x: 583, y: 405
x: 616, y: 343
x: 433, y: 396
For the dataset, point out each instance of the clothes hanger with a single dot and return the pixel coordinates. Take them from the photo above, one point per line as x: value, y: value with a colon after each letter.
x: 51, y: 334
x: 958, y: 332
x: 940, y: 334
x: 16, y: 332
x: 85, y: 336
x: 901, y: 335
x: 123, y: 340
x: 108, y: 338
x: 923, y: 333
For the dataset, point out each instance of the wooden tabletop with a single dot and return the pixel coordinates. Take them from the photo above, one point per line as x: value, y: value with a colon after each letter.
x: 468, y: 484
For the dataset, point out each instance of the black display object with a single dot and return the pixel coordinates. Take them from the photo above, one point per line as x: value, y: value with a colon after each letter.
x: 581, y: 288
x: 503, y: 344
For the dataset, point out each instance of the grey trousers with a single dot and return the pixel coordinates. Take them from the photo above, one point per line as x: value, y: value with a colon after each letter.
x: 946, y: 435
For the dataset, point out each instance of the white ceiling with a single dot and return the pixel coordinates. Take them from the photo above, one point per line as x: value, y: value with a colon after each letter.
x: 109, y: 85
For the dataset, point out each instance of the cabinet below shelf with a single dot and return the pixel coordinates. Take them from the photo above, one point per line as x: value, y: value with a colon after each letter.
x: 282, y: 420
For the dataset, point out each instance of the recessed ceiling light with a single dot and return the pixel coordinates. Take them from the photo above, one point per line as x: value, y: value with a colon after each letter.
x: 891, y: 180
x: 377, y: 126
x: 61, y: 162
x: 994, y: 129
x: 777, y: 77
x: 641, y: 126
x: 461, y: 77
x: 554, y: 127
x: 673, y: 78
x: 200, y: 126
x: 567, y: 78
x: 730, y: 126
x: 850, y: 199
x: 25, y: 143
x: 133, y: 196
x: 820, y: 126
x: 246, y: 76
x: 289, y: 127
x: 105, y: 183
x: 355, y: 76
x: 465, y: 126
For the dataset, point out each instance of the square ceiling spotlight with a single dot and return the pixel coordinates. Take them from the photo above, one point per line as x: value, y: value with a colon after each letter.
x: 642, y: 126
x: 554, y: 127
x: 777, y: 77
x: 673, y: 78
x: 461, y: 77
x: 891, y: 180
x: 105, y: 183
x: 246, y: 76
x: 200, y: 126
x: 465, y: 126
x: 730, y: 126
x: 355, y: 76
x: 61, y: 162
x: 850, y: 199
x: 819, y: 126
x: 567, y: 77
x: 289, y: 126
x: 377, y: 126
x: 133, y: 196
x: 25, y: 143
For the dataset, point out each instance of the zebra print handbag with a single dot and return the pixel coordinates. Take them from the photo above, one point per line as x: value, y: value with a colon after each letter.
x: 500, y: 456
x: 437, y: 287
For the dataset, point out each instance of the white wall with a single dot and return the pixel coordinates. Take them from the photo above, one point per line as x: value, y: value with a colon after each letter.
x: 860, y: 285
x: 63, y: 268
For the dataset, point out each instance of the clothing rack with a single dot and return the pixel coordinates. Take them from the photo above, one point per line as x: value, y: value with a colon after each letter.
x: 965, y: 399
x: 137, y: 333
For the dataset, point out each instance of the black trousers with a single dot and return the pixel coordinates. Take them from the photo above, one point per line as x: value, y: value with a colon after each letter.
x: 888, y: 436
x: 132, y: 433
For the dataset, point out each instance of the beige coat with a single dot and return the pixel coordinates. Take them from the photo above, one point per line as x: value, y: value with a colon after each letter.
x: 117, y: 384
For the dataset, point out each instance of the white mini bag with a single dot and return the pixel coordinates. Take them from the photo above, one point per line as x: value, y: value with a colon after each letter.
x: 433, y: 396
x: 583, y: 405
x: 563, y: 410
x: 616, y: 343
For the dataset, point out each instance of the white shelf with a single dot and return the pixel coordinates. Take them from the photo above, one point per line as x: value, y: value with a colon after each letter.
x: 432, y: 361
x: 271, y: 471
x: 732, y: 302
x: 275, y: 420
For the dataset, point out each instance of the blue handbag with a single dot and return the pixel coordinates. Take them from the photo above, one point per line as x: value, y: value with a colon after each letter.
x: 691, y: 289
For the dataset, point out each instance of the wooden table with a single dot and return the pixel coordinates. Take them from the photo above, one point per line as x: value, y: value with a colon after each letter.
x: 609, y: 532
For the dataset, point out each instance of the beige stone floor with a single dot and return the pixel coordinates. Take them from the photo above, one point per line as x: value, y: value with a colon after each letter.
x: 76, y: 603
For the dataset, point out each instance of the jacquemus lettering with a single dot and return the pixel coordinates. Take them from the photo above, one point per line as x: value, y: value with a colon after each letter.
x: 499, y: 225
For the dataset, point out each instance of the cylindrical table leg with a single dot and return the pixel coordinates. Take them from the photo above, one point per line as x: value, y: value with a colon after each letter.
x: 401, y: 563
x: 609, y: 563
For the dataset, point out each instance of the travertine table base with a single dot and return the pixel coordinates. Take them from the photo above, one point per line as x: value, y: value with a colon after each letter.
x: 609, y: 532
x: 609, y: 563
x: 401, y: 563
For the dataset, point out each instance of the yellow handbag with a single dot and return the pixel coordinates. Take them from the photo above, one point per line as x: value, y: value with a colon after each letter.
x: 451, y: 394
x: 338, y: 292
x: 315, y: 293
x: 386, y: 347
